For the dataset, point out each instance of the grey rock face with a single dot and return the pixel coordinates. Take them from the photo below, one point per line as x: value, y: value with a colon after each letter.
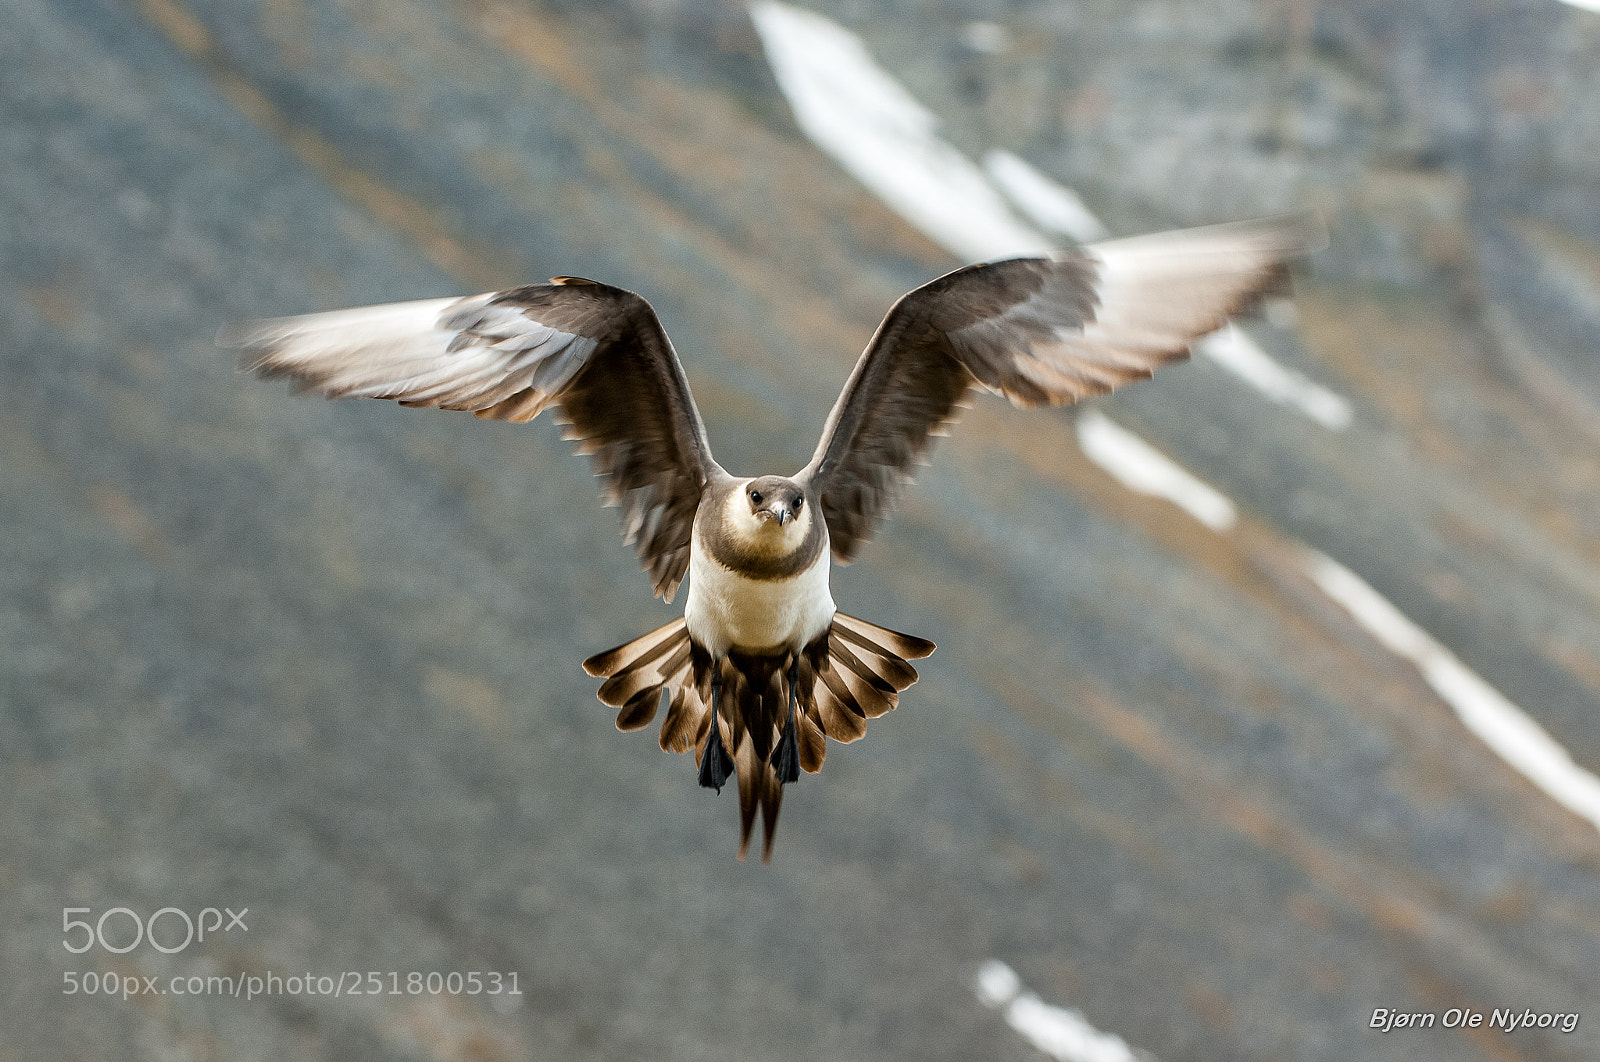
x: 322, y: 660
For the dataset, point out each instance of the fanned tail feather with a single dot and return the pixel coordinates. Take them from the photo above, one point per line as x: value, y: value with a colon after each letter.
x: 855, y: 672
x: 881, y: 640
x: 638, y: 672
x: 860, y: 676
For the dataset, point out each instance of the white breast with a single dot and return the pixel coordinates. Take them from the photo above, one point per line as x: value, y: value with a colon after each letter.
x: 726, y: 610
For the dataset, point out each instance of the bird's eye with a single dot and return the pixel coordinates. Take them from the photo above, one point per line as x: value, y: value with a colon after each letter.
x: 755, y: 496
x: 799, y: 502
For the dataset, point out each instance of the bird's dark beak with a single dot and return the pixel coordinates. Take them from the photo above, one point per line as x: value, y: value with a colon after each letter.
x: 782, y: 514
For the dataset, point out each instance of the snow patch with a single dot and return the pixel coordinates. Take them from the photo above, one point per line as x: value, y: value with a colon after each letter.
x: 1509, y: 732
x: 1141, y: 467
x: 1059, y: 1032
x: 1053, y: 207
x: 851, y: 108
x: 1239, y: 354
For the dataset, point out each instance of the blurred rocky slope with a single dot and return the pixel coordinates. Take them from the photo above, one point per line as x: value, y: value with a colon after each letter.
x: 321, y: 659
x: 1451, y: 145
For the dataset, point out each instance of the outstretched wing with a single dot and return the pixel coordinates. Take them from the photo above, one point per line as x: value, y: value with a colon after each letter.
x: 1041, y: 331
x: 597, y: 352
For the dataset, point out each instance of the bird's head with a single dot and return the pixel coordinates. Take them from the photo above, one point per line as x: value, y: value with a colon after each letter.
x: 769, y: 517
x: 777, y: 502
x: 773, y: 512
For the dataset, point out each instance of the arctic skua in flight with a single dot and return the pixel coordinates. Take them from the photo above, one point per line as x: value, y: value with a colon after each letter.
x: 762, y: 669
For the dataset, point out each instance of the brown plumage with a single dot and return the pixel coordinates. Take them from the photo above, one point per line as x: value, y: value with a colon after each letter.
x: 762, y: 670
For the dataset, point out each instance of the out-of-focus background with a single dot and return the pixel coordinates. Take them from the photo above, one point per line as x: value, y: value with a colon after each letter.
x: 1266, y: 691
